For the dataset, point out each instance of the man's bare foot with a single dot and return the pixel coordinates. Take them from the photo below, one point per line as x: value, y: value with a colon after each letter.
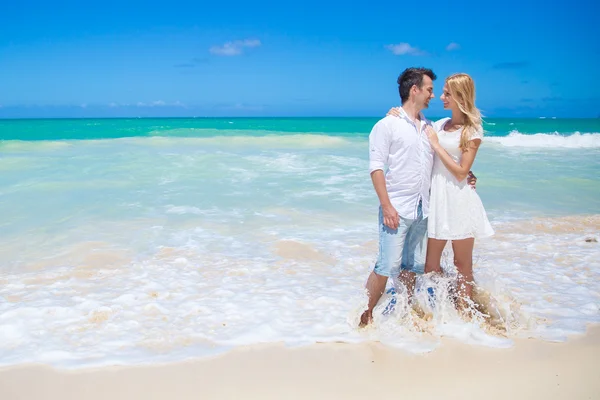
x: 419, y: 312
x: 365, y: 319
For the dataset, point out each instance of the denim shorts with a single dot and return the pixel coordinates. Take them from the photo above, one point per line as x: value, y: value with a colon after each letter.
x: 403, y: 248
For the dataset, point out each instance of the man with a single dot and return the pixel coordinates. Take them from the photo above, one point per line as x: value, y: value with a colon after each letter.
x: 402, y: 145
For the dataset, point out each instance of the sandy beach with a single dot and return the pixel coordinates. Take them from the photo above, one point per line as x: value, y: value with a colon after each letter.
x: 532, y: 369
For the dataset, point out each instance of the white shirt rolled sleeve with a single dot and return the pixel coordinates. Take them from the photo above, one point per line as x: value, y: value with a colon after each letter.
x: 379, y: 146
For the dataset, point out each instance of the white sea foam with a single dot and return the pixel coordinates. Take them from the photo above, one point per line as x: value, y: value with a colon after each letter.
x: 536, y: 279
x: 547, y: 140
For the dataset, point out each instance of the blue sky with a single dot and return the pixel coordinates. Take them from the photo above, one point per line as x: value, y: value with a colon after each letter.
x: 230, y: 58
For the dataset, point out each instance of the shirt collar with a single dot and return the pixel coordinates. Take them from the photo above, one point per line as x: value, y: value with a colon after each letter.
x: 404, y: 115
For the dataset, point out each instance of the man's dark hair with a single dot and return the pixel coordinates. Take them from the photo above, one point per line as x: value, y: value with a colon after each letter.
x: 409, y: 78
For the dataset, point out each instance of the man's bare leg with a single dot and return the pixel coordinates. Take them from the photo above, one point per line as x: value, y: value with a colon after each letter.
x: 375, y: 288
x: 408, y: 279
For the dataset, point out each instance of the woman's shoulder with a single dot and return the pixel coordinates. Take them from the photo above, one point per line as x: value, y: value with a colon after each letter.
x: 439, y: 124
x: 477, y: 133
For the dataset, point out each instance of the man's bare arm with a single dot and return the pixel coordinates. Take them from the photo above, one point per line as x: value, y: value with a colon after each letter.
x: 391, y: 218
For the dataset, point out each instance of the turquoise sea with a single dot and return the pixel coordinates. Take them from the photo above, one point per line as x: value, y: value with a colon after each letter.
x: 147, y: 240
x: 81, y: 129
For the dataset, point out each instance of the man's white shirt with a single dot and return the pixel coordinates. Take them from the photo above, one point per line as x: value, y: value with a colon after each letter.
x: 398, y: 144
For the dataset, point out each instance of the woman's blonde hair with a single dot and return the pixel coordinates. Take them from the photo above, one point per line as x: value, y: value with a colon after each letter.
x: 462, y: 89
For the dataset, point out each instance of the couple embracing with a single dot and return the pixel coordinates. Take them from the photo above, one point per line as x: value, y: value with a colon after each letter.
x: 421, y: 174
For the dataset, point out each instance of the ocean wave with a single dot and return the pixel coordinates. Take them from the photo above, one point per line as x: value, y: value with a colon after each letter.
x: 17, y: 146
x: 548, y: 140
x: 308, y: 140
x: 286, y: 141
x: 303, y: 140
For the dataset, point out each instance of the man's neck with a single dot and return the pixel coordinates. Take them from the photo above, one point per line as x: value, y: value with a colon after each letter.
x: 412, y: 111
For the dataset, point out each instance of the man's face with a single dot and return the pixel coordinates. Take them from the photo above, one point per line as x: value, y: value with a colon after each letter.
x: 424, y: 94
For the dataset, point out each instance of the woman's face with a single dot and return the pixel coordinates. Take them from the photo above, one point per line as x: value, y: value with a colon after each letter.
x: 447, y: 100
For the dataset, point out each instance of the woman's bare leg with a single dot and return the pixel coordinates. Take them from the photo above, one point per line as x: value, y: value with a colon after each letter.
x: 463, y: 259
x: 433, y: 259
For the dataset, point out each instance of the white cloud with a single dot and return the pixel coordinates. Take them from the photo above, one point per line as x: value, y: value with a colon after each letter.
x: 404, y: 48
x: 112, y: 105
x: 453, y: 46
x: 158, y: 103
x: 234, y: 48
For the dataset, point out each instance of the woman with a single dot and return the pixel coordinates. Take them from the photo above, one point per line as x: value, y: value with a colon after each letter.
x: 456, y: 212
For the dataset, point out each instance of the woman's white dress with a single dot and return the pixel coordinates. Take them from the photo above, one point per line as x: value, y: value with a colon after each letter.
x: 456, y: 211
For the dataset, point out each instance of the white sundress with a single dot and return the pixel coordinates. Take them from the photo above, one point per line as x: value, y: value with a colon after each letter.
x: 455, y: 209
